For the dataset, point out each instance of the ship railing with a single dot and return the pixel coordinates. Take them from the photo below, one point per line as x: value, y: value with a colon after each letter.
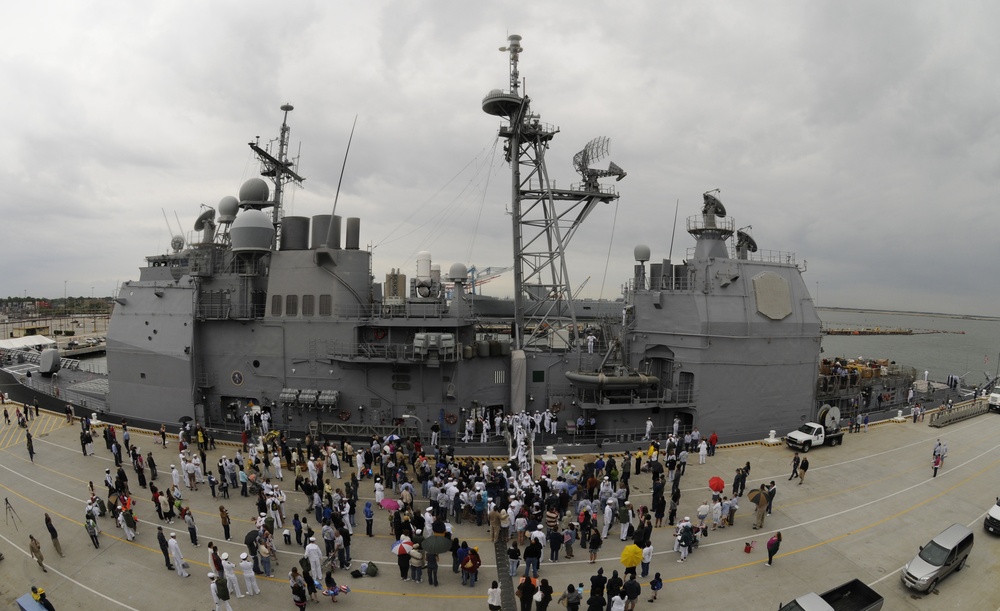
x: 586, y: 188
x: 354, y: 312
x: 567, y: 395
x: 830, y: 384
x: 410, y: 310
x: 350, y: 430
x: 945, y: 415
x: 391, y: 352
x: 19, y: 356
x: 663, y: 283
x: 85, y: 401
x: 211, y: 310
x: 700, y: 222
x: 761, y: 256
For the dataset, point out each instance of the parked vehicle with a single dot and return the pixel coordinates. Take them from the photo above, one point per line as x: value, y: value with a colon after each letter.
x: 994, y: 400
x: 945, y: 553
x: 851, y: 596
x: 826, y: 432
x: 992, y: 521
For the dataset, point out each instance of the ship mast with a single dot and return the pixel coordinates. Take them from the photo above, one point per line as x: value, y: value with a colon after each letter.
x: 544, y: 219
x: 279, y: 170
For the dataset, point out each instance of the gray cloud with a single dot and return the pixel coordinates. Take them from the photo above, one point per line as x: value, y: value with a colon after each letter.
x: 863, y: 137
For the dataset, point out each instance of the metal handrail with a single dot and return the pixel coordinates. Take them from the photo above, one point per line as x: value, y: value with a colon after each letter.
x: 943, y: 416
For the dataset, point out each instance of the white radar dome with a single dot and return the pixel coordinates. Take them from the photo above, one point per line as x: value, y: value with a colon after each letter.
x: 228, y: 207
x: 252, y: 231
x: 641, y: 253
x: 458, y: 272
x: 253, y: 191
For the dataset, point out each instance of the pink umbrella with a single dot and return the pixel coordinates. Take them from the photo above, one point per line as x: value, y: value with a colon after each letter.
x: 390, y: 504
x: 716, y: 484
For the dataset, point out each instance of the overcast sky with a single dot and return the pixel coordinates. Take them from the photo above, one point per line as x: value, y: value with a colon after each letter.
x: 862, y: 136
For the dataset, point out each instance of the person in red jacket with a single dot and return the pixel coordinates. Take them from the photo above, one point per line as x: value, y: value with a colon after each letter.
x: 470, y: 567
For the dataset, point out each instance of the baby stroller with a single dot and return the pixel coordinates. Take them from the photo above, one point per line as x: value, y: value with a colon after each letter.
x: 253, y: 485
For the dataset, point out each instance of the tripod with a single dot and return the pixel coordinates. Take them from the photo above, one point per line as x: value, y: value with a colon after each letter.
x: 9, y: 512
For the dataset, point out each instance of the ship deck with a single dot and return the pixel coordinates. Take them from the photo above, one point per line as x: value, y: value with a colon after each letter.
x: 862, y: 513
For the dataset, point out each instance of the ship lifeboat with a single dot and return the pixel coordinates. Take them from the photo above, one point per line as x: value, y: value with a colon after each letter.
x: 602, y: 381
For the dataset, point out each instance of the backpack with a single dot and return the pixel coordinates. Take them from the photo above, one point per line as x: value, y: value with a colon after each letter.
x: 372, y: 570
x: 222, y: 588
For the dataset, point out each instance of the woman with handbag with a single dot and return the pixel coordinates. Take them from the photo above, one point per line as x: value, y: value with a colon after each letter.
x: 526, y: 592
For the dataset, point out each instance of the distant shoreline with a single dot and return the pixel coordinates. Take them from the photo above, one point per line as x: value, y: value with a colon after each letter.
x: 908, y: 313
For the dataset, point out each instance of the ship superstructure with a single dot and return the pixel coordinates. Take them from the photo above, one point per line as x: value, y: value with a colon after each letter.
x: 267, y: 312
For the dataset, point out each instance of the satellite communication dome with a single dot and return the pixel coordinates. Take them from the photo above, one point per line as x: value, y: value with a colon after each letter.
x: 254, y: 191
x: 228, y: 207
x: 458, y: 272
x: 641, y: 253
x: 252, y: 231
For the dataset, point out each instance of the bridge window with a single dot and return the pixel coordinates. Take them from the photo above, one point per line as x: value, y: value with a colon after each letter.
x: 308, y: 305
x: 291, y: 305
x: 276, y: 305
x: 325, y: 305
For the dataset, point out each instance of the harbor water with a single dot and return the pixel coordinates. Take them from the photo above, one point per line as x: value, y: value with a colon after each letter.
x: 941, y: 345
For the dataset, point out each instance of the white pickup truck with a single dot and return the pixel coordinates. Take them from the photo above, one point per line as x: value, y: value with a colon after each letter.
x: 826, y: 432
x: 995, y: 399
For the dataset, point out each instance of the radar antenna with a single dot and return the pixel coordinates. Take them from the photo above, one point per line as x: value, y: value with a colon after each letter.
x: 595, y: 150
x: 745, y: 242
x: 712, y: 204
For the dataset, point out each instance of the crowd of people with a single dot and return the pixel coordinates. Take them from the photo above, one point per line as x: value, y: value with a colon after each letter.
x: 421, y: 492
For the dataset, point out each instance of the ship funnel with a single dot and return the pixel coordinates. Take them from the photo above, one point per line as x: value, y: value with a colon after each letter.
x: 320, y: 229
x: 333, y: 234
x: 295, y: 233
x: 353, y: 237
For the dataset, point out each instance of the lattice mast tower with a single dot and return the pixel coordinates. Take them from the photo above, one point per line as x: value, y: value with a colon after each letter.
x: 544, y: 219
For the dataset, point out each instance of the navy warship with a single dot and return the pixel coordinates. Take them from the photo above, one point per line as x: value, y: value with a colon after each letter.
x: 262, y: 312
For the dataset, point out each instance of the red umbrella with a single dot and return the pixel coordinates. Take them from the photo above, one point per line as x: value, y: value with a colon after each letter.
x: 401, y: 547
x: 716, y: 484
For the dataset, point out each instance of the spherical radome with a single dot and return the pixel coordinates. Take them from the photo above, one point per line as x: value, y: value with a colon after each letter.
x: 254, y: 190
x: 228, y: 207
